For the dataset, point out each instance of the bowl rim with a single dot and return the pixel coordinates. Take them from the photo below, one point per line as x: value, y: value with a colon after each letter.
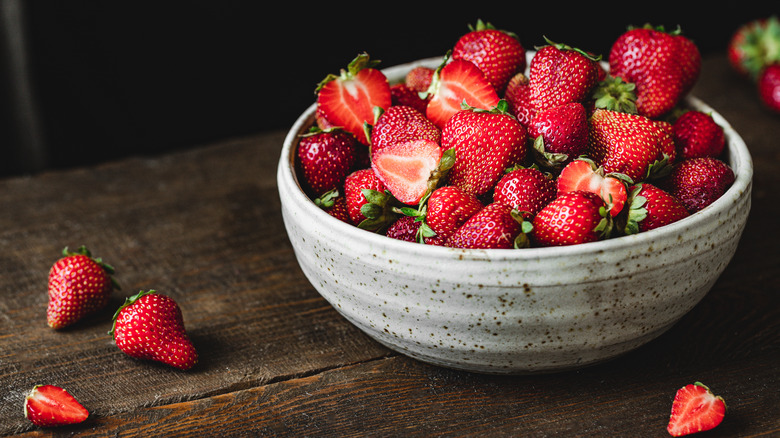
x: 737, y: 152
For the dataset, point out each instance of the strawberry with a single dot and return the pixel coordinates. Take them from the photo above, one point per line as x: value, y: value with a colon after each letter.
x: 486, y: 143
x: 495, y: 226
x: 651, y: 207
x: 454, y: 83
x: 624, y: 143
x: 79, y: 285
x: 560, y: 133
x: 696, y: 134
x: 150, y: 326
x: 369, y: 203
x: 400, y: 94
x: 348, y: 99
x: 335, y: 204
x: 666, y: 140
x: 419, y: 78
x: 526, y: 189
x: 405, y: 228
x: 448, y: 207
x: 498, y: 53
x: 754, y: 45
x: 584, y: 174
x: 518, y: 96
x: 769, y: 87
x: 325, y: 157
x: 663, y: 65
x: 695, y: 409
x: 49, y: 405
x: 572, y: 218
x: 698, y: 182
x: 560, y: 74
x: 401, y: 123
x: 405, y: 168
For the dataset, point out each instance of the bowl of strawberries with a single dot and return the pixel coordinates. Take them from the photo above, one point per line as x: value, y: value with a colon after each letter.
x: 514, y: 211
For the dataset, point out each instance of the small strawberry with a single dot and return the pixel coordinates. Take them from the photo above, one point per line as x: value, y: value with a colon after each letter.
x: 401, y: 123
x: 769, y: 87
x: 697, y: 134
x: 335, y: 204
x: 754, y: 45
x: 325, y: 157
x: 79, y: 285
x: 498, y: 53
x: 454, y: 83
x: 663, y: 65
x: 560, y: 74
x: 49, y: 405
x: 584, y: 174
x: 486, y: 143
x: 347, y: 100
x: 369, y: 204
x: 695, y: 409
x: 572, y: 218
x: 405, y: 168
x: 526, y: 189
x: 419, y: 78
x: 448, y: 208
x: 405, y: 228
x: 651, y: 207
x: 518, y: 96
x: 560, y: 133
x: 150, y: 326
x: 403, y: 95
x: 698, y: 182
x: 495, y: 226
x: 624, y: 143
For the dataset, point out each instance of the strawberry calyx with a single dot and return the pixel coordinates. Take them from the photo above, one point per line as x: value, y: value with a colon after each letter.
x: 128, y: 302
x: 486, y: 25
x: 327, y: 199
x: 379, y: 210
x: 566, y: 47
x: 615, y: 94
x: 635, y: 212
x: 657, y: 28
x: 755, y: 45
x: 545, y: 158
x: 360, y: 62
x: 522, y: 240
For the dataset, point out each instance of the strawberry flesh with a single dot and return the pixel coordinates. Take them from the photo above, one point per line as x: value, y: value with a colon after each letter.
x: 583, y: 175
x: 49, y: 405
x: 695, y: 409
x: 456, y: 82
x: 405, y: 168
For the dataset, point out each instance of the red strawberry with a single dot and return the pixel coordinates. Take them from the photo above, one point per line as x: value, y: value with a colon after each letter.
x: 584, y: 174
x: 401, y: 123
x: 402, y: 95
x: 518, y: 96
x: 486, y: 143
x: 348, y: 100
x: 49, y: 405
x: 457, y: 82
x: 560, y: 133
x: 526, y: 189
x: 696, y: 134
x: 404, y: 228
x: 695, y: 409
x: 405, y: 168
x: 419, y: 78
x: 651, y: 207
x: 325, y: 158
x: 663, y: 65
x: 448, y: 208
x: 625, y: 143
x: 769, y: 86
x: 560, y: 74
x: 499, y: 54
x: 150, y: 326
x: 572, y: 218
x: 754, y: 45
x: 698, y: 182
x: 666, y: 140
x: 495, y: 226
x: 79, y: 285
x: 369, y: 204
x: 335, y: 204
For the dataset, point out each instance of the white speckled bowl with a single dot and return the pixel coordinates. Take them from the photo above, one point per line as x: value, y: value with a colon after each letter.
x: 515, y: 311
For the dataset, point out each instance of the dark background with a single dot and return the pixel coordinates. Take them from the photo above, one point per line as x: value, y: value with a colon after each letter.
x: 85, y: 82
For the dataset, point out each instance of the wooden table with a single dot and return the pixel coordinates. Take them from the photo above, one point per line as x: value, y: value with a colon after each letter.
x: 204, y: 226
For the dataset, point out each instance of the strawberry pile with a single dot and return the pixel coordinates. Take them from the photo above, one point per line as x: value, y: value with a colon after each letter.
x: 494, y: 149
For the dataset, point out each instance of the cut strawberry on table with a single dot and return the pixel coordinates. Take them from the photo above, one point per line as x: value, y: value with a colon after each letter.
x: 695, y: 409
x: 454, y: 83
x: 405, y: 168
x: 347, y: 100
x: 754, y: 45
x: 49, y: 405
x: 584, y: 174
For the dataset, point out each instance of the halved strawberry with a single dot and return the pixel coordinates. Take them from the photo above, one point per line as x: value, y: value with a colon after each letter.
x: 49, y: 405
x: 348, y: 100
x: 406, y: 167
x: 400, y: 123
x: 695, y: 409
x: 584, y: 174
x: 454, y: 83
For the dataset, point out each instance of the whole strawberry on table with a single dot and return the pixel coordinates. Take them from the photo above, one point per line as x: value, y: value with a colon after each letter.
x: 494, y: 149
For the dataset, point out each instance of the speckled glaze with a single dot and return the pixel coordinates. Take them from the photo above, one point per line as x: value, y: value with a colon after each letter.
x: 523, y: 311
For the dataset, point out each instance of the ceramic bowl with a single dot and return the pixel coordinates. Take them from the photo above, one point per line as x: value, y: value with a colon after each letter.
x: 535, y: 310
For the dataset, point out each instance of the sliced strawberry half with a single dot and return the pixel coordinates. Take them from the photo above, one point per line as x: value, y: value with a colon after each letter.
x: 348, y: 100
x: 695, y: 409
x: 49, y: 405
x: 454, y: 83
x: 584, y: 174
x: 405, y: 168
